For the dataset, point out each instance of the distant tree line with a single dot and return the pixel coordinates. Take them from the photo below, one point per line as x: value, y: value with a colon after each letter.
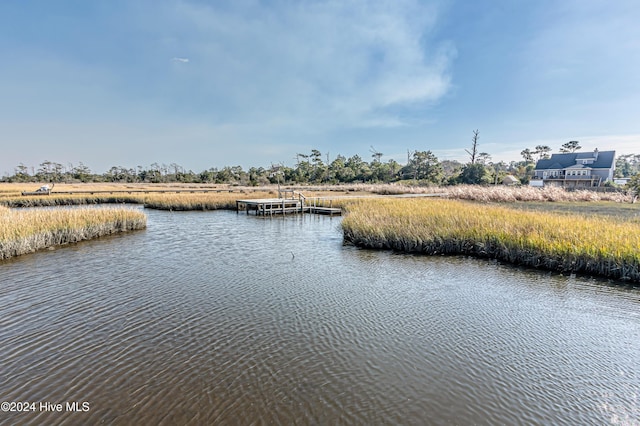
x: 627, y: 165
x: 421, y: 168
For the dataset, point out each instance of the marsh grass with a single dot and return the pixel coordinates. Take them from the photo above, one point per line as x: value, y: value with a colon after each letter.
x: 224, y: 199
x: 612, y: 210
x: 69, y: 200
x: 10, y: 194
x: 25, y: 231
x: 200, y: 201
x: 500, y: 193
x: 599, y: 245
x: 163, y: 201
x: 493, y: 193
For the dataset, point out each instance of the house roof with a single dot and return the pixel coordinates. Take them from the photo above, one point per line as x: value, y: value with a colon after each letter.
x: 563, y: 161
x: 581, y: 155
x: 579, y: 166
x: 555, y: 165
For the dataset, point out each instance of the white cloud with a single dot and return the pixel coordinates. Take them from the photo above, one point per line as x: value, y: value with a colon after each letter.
x: 343, y: 63
x: 248, y: 80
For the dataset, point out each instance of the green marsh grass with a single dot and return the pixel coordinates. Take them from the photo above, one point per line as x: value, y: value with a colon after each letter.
x: 600, y: 245
x: 25, y: 231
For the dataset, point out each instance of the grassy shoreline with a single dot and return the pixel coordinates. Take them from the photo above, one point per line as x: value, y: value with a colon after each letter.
x: 10, y: 194
x: 151, y: 201
x: 581, y: 231
x: 598, y: 245
x: 23, y: 232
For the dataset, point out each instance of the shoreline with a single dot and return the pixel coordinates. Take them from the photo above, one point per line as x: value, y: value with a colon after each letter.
x: 27, y: 232
x: 539, y: 240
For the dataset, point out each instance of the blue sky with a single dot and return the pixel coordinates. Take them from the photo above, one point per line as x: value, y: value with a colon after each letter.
x: 251, y: 83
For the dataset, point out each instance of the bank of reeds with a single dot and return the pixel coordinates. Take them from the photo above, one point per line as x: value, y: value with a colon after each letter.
x: 181, y: 201
x: 501, y: 193
x: 602, y: 246
x: 201, y: 201
x: 25, y: 231
x: 225, y: 199
x: 489, y: 193
x: 162, y: 201
x: 222, y: 198
x: 69, y: 200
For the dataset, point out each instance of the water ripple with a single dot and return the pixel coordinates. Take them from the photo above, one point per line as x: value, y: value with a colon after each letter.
x: 218, y: 318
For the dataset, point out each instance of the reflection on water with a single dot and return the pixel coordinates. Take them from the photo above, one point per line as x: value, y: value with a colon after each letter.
x: 218, y: 318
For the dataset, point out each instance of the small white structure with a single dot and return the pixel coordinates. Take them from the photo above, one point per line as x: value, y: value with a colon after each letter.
x: 510, y: 180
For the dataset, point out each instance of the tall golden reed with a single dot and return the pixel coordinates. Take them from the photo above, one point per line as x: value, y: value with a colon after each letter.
x: 25, y: 231
x: 200, y: 201
x: 225, y: 199
x: 599, y: 245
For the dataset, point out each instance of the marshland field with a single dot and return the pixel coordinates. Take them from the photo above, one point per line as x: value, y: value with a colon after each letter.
x: 213, y: 317
x: 205, y: 316
x: 570, y: 232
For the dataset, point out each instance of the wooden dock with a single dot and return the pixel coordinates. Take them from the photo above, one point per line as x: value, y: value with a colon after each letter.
x: 283, y: 206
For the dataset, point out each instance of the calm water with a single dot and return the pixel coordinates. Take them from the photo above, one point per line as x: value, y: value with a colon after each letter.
x: 218, y: 318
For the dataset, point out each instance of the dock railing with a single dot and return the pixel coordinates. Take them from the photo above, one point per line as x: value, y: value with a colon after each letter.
x: 303, y: 201
x: 289, y: 202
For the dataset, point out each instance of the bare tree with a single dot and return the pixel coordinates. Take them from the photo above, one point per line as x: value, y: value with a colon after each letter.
x: 474, y: 147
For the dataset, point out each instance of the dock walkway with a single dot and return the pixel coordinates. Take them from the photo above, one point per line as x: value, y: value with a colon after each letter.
x: 296, y: 202
x: 271, y: 206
